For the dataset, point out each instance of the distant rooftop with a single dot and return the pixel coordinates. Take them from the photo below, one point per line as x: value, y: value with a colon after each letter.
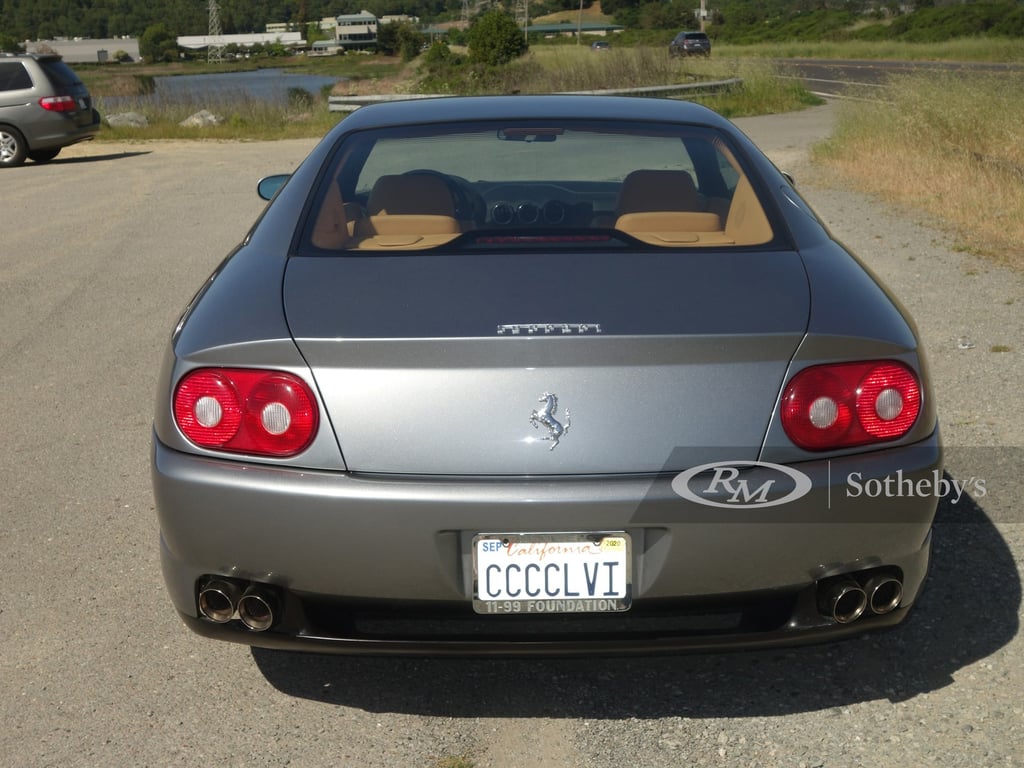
x: 86, y: 50
x: 196, y: 42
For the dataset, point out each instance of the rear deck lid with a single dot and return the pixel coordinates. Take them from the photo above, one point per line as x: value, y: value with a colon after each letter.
x: 547, y: 364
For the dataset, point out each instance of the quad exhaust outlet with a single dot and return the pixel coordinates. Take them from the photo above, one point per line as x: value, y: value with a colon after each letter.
x: 224, y: 600
x: 846, y: 598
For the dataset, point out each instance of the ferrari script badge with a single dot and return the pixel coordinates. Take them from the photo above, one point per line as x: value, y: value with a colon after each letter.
x: 546, y: 416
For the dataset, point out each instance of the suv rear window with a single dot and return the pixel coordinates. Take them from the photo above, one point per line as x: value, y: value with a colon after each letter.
x: 532, y: 184
x: 59, y: 73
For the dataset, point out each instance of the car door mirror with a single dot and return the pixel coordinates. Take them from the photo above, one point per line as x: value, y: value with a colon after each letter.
x: 268, y: 186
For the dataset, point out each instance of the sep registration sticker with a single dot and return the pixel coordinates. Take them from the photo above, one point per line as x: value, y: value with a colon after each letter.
x: 552, y: 572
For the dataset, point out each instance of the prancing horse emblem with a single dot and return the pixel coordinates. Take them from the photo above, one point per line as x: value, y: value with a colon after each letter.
x: 546, y: 416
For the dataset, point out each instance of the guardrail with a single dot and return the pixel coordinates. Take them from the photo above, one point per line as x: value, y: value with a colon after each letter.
x: 352, y: 103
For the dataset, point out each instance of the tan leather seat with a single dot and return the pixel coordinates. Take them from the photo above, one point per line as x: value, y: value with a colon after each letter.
x: 407, y: 211
x: 649, y: 190
x: 664, y: 208
x: 410, y: 204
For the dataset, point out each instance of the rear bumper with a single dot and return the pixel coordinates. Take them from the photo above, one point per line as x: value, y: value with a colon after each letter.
x: 383, y: 565
x: 59, y: 130
x: 468, y: 635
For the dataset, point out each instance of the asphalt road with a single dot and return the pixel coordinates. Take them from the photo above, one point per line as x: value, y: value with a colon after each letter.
x: 868, y: 78
x: 99, y: 252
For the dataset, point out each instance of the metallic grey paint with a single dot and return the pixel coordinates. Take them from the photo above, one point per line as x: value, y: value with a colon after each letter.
x: 426, y: 439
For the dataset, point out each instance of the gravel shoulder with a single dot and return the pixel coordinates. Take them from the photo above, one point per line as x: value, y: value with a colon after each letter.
x: 111, y: 241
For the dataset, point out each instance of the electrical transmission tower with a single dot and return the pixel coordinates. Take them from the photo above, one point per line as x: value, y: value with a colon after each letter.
x: 215, y: 45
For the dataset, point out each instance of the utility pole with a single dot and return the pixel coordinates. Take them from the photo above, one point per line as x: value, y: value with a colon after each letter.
x: 215, y: 44
x: 523, y: 16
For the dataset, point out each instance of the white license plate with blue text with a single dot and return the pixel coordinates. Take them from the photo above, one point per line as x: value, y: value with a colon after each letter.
x: 552, y: 572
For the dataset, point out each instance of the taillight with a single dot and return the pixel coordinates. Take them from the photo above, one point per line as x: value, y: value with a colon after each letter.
x: 850, y: 404
x: 59, y: 103
x: 265, y: 413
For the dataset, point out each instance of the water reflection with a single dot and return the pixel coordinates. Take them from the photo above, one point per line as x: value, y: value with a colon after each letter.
x: 265, y: 85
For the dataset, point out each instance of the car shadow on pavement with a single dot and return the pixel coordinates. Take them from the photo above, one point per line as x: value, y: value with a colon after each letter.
x: 969, y: 610
x: 97, y: 158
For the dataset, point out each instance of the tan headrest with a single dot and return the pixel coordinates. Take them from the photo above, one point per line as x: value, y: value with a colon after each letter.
x: 649, y: 190
x: 414, y: 193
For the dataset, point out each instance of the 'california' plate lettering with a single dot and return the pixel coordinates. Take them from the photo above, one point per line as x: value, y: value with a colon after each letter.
x: 552, y: 573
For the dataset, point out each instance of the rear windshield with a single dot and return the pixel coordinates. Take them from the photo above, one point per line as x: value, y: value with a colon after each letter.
x: 533, y: 184
x: 59, y: 73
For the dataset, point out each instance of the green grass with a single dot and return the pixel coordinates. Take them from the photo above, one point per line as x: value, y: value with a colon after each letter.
x: 243, y: 118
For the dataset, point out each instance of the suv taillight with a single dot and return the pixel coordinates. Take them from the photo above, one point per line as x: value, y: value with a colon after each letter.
x: 58, y: 103
x: 850, y: 404
x: 263, y: 413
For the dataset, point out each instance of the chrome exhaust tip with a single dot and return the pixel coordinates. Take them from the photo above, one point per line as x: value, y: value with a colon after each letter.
x: 884, y: 593
x: 842, y: 600
x: 256, y: 610
x: 218, y: 600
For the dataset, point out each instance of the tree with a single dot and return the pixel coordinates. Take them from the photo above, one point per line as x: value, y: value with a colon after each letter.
x: 9, y: 44
x: 496, y: 39
x: 158, y: 44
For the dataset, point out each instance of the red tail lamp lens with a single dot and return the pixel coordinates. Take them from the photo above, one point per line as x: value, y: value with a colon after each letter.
x: 264, y: 413
x: 850, y: 404
x: 58, y: 103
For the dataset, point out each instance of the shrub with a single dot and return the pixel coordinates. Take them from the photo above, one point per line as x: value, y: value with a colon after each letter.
x: 495, y: 39
x: 158, y: 43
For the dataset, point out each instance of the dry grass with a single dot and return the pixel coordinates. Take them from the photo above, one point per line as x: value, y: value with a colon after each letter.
x: 591, y: 14
x: 401, y: 80
x: 554, y: 69
x: 576, y: 67
x: 946, y: 144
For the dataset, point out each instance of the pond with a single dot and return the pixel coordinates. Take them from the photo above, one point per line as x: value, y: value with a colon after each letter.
x: 216, y: 89
x: 263, y: 84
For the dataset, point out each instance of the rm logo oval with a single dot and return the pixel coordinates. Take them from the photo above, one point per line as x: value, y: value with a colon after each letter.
x: 741, y: 484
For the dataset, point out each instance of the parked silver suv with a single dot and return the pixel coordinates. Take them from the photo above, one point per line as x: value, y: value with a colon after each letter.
x: 43, y: 108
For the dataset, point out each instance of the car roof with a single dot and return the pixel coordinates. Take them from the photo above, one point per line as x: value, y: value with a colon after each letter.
x: 34, y: 56
x: 553, y: 106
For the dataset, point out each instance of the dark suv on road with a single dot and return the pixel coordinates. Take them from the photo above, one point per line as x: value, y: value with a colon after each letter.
x: 43, y: 108
x: 690, y: 44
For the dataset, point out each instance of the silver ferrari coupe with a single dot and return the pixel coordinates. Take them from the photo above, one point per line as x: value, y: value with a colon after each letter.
x: 542, y: 374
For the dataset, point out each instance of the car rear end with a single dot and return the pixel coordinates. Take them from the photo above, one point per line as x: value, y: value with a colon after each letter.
x: 66, y: 114
x: 690, y: 44
x: 562, y: 432
x: 44, y: 107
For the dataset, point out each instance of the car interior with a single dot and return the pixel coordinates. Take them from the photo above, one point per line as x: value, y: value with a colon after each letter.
x: 423, y: 208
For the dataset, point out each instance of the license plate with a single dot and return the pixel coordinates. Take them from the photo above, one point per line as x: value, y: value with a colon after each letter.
x: 552, y: 572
